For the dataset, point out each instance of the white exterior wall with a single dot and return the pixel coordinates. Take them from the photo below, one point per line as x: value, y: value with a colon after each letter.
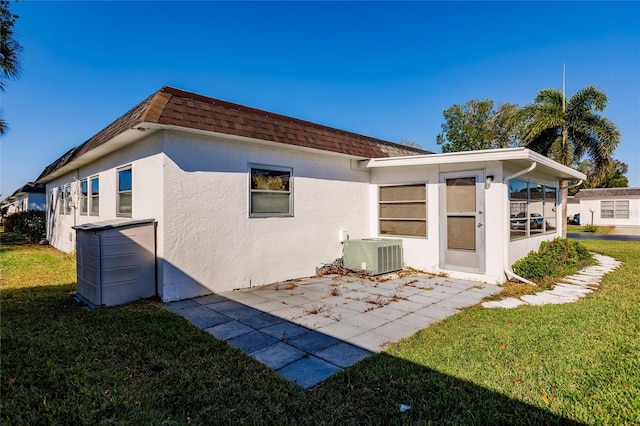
x: 518, y: 249
x: 144, y: 156
x: 424, y: 253
x: 211, y: 243
x: 587, y: 204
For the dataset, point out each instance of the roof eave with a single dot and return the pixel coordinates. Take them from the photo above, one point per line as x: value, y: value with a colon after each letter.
x: 501, y: 154
x: 137, y: 132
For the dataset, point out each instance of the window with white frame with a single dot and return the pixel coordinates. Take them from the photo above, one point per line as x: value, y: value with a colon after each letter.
x: 614, y: 209
x: 532, y: 208
x: 67, y: 199
x: 94, y: 196
x: 270, y: 191
x: 84, y: 197
x: 402, y: 210
x: 90, y: 196
x: 124, y: 202
x: 61, y: 200
x: 64, y: 199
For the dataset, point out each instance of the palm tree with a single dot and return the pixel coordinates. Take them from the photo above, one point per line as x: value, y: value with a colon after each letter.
x: 568, y: 132
x: 10, y: 49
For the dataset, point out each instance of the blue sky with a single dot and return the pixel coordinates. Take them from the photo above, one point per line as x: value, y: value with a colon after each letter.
x: 387, y: 70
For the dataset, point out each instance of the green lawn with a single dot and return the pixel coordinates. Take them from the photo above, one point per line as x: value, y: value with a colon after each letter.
x: 139, y: 364
x: 581, y: 229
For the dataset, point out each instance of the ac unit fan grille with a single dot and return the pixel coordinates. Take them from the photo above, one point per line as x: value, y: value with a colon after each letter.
x: 389, y: 258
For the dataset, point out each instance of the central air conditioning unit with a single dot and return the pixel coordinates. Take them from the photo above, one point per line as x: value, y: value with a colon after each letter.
x: 374, y: 255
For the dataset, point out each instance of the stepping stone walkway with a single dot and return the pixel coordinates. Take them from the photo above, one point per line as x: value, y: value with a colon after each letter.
x: 569, y: 289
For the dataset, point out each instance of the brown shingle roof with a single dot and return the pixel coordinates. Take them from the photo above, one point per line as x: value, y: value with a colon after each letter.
x: 170, y: 106
x: 608, y: 193
x: 31, y: 188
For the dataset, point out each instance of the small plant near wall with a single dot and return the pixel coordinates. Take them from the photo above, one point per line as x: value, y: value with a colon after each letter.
x: 590, y: 228
x: 554, y: 259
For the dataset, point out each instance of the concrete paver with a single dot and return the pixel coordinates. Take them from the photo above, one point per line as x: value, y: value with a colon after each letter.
x: 343, y: 354
x: 229, y: 330
x: 309, y: 371
x: 203, y: 317
x: 313, y: 341
x: 284, y: 330
x: 311, y: 328
x: 252, y: 341
x: 278, y: 355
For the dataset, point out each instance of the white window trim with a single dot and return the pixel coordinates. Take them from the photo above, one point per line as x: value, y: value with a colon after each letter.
x: 616, y: 209
x: 527, y: 203
x: 290, y: 192
x: 65, y: 197
x: 82, y: 198
x: 426, y: 204
x: 90, y: 195
x: 118, y: 192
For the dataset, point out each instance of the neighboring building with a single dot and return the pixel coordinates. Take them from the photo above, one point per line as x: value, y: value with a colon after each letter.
x: 244, y: 197
x: 29, y: 197
x: 609, y: 206
x: 573, y: 206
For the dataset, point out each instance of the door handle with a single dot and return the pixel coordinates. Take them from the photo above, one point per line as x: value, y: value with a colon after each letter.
x: 479, y: 224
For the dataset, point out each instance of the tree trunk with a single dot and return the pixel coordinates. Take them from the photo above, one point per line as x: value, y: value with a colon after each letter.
x: 564, y: 197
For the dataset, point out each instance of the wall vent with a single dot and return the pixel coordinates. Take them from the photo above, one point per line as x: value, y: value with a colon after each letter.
x: 374, y: 255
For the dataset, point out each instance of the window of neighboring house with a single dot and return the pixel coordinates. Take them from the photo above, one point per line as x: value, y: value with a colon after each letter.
x: 402, y: 210
x: 84, y: 196
x: 94, y: 205
x: 532, y: 209
x: 125, y: 192
x: 270, y: 191
x: 615, y: 209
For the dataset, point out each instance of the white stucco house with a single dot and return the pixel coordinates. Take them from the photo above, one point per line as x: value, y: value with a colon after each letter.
x: 28, y: 197
x: 609, y: 206
x: 243, y: 197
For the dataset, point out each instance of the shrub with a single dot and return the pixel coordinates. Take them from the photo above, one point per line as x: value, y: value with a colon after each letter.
x: 554, y: 259
x: 31, y: 224
x: 590, y: 228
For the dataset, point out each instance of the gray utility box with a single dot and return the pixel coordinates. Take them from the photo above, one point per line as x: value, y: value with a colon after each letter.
x: 374, y: 255
x: 116, y: 261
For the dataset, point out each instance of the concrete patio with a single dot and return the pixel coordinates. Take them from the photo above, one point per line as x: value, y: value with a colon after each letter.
x: 308, y: 329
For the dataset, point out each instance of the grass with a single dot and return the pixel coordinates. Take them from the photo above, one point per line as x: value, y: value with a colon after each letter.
x: 556, y: 364
x: 581, y: 229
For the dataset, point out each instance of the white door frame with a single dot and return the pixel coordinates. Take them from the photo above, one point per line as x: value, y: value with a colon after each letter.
x: 463, y: 260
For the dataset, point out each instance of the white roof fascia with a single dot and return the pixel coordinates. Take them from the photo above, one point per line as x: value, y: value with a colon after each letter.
x: 126, y: 137
x: 501, y: 154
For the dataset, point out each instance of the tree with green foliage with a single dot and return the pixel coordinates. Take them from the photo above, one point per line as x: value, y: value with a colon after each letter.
x: 10, y: 50
x: 615, y: 176
x: 477, y: 125
x: 567, y: 130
